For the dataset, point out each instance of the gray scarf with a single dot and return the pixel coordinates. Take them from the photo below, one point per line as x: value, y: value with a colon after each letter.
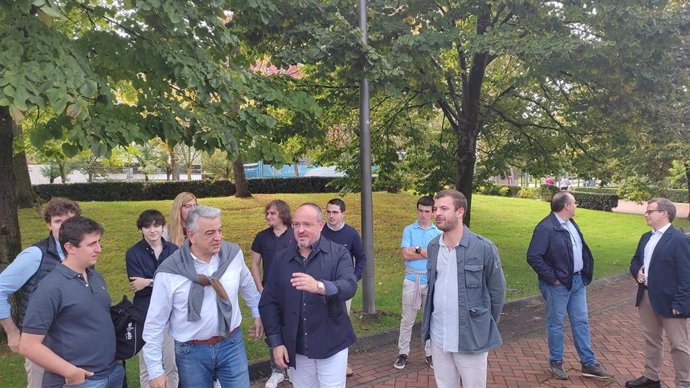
x: 181, y: 263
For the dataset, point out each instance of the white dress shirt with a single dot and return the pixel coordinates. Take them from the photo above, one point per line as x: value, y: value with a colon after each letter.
x: 649, y: 249
x: 169, y: 307
x: 445, y: 327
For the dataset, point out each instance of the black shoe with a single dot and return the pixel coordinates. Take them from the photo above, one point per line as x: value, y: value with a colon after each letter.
x: 556, y: 367
x: 400, y: 362
x: 595, y: 370
x: 643, y: 382
x: 430, y: 362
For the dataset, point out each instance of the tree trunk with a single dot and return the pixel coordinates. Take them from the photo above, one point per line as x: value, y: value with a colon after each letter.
x: 241, y: 184
x: 687, y: 181
x: 25, y: 193
x: 61, y: 167
x: 10, y: 238
x: 466, y: 158
x: 295, y: 168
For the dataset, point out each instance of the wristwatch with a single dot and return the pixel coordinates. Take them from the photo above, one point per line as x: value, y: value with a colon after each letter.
x: 418, y: 249
x: 151, y: 283
x: 320, y: 287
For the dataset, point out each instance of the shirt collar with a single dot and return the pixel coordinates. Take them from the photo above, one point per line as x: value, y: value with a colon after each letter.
x: 663, y: 229
x: 335, y: 229
x: 560, y: 220
x: 419, y: 226
x: 68, y: 272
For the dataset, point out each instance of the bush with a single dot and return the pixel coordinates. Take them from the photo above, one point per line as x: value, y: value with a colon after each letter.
x: 150, y: 191
x: 546, y: 192
x: 595, y: 201
x: 488, y: 188
x: 529, y: 193
x: 292, y: 185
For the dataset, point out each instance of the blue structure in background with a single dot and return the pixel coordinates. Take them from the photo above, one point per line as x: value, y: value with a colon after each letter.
x: 263, y: 170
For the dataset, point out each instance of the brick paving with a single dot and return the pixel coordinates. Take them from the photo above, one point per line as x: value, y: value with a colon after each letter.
x: 522, y: 360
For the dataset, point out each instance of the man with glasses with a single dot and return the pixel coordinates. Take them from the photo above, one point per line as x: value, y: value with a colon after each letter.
x: 661, y: 267
x: 564, y: 265
x: 303, y: 305
x: 195, y: 294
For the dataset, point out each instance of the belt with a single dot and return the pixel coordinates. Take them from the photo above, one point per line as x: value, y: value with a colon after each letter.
x: 213, y: 340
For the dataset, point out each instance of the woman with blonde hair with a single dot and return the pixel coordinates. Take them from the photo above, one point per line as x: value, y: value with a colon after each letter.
x: 174, y: 232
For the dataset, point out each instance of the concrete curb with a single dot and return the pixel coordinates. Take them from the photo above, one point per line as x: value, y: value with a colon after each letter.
x: 518, y: 318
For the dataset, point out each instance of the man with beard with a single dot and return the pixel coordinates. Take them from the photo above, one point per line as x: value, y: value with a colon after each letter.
x: 303, y: 305
x: 466, y: 291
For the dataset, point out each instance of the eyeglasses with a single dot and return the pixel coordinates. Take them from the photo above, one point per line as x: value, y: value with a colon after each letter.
x: 306, y: 225
x: 652, y: 211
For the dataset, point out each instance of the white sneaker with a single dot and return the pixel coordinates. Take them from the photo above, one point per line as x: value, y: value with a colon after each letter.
x: 216, y: 384
x: 275, y: 379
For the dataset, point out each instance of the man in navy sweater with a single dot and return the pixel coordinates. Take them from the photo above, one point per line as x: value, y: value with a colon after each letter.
x: 341, y: 233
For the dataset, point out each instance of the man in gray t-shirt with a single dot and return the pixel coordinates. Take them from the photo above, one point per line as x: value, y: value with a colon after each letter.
x: 67, y: 328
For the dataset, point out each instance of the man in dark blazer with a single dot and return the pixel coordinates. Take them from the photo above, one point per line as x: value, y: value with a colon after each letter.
x: 564, y: 265
x: 303, y: 305
x: 661, y: 267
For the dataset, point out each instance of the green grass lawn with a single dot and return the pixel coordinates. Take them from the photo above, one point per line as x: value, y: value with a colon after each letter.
x: 508, y: 222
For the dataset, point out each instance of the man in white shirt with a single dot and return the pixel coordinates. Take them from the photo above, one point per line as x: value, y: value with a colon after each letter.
x: 661, y: 267
x: 195, y: 293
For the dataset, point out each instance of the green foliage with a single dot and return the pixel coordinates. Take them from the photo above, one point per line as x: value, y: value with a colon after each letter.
x: 529, y: 193
x: 546, y: 192
x: 594, y: 201
x: 637, y: 188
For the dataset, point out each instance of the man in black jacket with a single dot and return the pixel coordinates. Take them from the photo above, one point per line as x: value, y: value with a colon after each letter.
x: 564, y: 265
x: 661, y: 267
x: 303, y: 305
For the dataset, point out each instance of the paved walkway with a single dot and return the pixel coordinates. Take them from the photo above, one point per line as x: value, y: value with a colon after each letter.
x: 522, y: 360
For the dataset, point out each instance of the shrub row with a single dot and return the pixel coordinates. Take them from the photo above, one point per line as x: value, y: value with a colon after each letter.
x: 675, y: 195
x: 148, y: 191
x: 596, y: 201
x: 586, y: 200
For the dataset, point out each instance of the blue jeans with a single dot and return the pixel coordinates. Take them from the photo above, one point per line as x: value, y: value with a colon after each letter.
x: 226, y: 361
x: 558, y: 301
x: 114, y: 380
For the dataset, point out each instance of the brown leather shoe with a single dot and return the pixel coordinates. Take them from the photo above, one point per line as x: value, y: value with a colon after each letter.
x: 349, y: 371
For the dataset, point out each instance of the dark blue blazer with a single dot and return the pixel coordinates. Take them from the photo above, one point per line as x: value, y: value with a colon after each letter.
x: 550, y: 253
x: 669, y: 273
x: 328, y: 323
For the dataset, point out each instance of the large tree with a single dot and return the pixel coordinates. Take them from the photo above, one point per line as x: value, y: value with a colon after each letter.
x: 531, y: 78
x: 116, y: 73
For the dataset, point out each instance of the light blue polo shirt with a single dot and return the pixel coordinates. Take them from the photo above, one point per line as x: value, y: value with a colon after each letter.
x: 414, y: 235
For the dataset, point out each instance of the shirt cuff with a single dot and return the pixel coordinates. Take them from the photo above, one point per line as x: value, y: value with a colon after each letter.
x: 331, y: 288
x: 274, y: 340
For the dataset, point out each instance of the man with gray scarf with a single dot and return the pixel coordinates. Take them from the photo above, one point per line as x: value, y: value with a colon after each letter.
x: 195, y: 294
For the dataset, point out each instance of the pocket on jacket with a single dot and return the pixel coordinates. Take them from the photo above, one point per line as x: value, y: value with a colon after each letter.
x: 473, y: 275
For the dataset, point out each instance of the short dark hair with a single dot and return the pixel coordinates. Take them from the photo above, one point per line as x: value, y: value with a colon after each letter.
x: 339, y: 203
x: 283, y: 210
x: 666, y: 205
x: 60, y: 206
x: 150, y: 217
x: 74, y: 229
x: 425, y: 201
x: 559, y: 200
x: 459, y: 199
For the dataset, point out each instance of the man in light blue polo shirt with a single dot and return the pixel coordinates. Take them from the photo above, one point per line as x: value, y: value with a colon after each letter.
x: 415, y: 239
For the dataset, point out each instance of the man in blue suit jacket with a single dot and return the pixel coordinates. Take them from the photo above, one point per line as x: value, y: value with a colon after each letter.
x: 661, y: 266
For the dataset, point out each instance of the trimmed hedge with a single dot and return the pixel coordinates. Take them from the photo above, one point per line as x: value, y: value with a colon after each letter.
x: 292, y: 185
x: 595, y: 201
x: 154, y: 191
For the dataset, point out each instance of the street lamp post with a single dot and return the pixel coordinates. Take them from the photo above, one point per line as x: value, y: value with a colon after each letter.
x: 368, y: 283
